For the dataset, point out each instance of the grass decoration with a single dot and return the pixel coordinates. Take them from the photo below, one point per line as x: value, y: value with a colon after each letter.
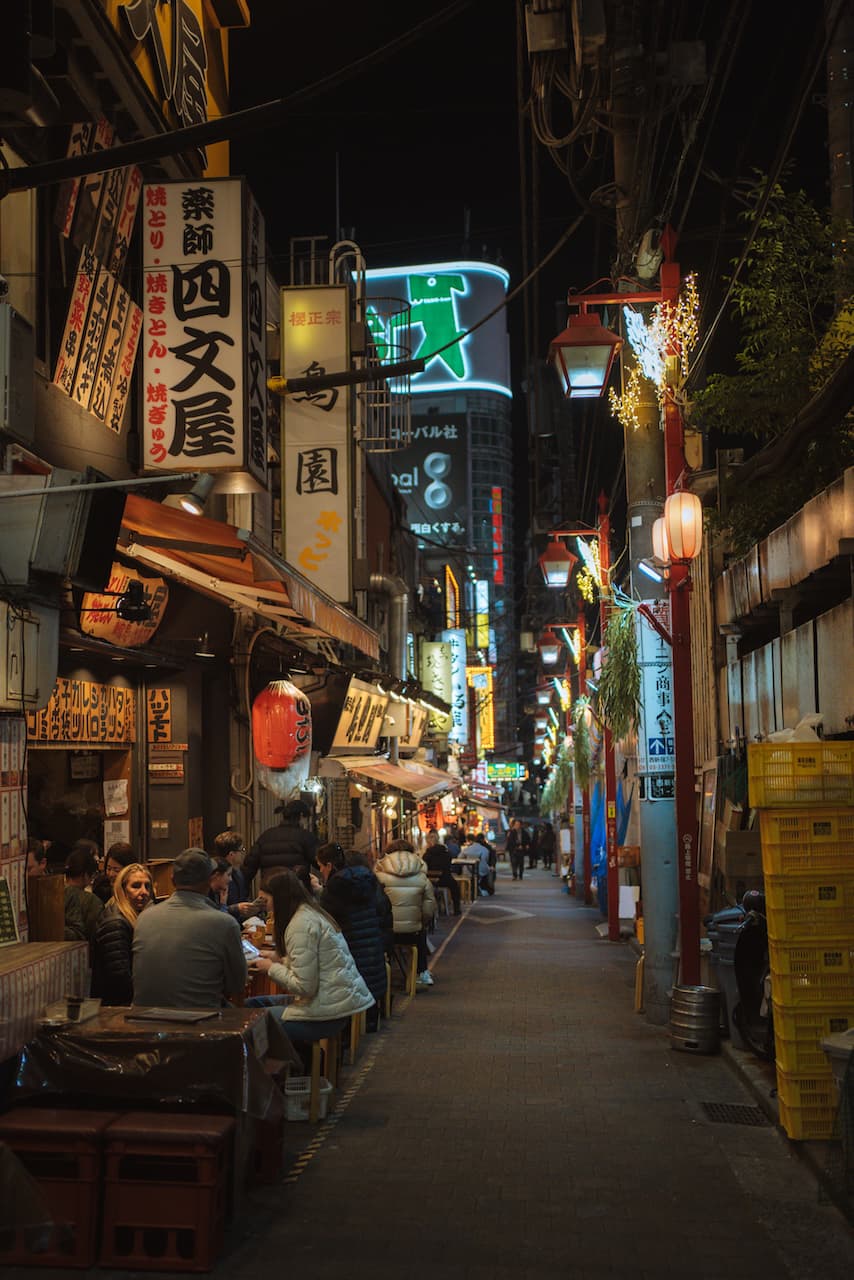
x: 582, y: 752
x: 555, y: 793
x: 620, y: 682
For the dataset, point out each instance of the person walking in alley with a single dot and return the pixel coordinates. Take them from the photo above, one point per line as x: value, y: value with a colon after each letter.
x: 516, y: 846
x: 289, y: 845
x: 546, y: 845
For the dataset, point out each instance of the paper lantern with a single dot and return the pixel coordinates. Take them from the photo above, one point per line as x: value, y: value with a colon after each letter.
x: 281, y: 725
x: 683, y: 519
x: 660, y: 547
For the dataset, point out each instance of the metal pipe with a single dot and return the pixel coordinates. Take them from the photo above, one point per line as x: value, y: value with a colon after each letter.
x: 397, y: 594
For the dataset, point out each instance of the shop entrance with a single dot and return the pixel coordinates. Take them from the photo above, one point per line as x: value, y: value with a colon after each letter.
x: 68, y: 799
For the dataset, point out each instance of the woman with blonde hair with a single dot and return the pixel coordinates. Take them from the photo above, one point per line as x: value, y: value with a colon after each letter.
x: 313, y: 963
x: 112, y: 977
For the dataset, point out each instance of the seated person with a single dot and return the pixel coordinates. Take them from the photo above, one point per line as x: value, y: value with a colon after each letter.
x: 229, y: 847
x: 437, y: 859
x: 82, y: 909
x: 485, y: 876
x: 36, y: 857
x: 120, y: 854
x: 312, y: 963
x: 186, y: 953
x: 113, y: 949
x: 403, y: 875
x: 350, y: 897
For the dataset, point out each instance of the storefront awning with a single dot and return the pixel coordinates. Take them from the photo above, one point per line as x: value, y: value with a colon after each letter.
x: 231, y: 564
x: 412, y: 779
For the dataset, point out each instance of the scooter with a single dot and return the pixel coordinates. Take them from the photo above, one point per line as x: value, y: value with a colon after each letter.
x: 753, y: 1015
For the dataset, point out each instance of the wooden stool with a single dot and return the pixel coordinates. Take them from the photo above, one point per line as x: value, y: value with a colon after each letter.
x: 443, y: 899
x: 357, y: 1028
x: 410, y: 973
x: 465, y: 887
x: 387, y: 1001
x: 330, y: 1050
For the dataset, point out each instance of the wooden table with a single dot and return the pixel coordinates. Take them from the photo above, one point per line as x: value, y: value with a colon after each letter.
x: 466, y: 864
x: 32, y: 975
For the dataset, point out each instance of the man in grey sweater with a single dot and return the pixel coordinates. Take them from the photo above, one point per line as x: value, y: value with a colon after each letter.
x: 186, y: 953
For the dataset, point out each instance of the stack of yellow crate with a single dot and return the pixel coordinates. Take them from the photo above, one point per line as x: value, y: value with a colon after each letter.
x: 805, y: 795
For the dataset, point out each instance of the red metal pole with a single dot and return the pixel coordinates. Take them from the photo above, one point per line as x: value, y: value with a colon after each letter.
x: 610, y: 769
x: 585, y: 791
x: 679, y: 587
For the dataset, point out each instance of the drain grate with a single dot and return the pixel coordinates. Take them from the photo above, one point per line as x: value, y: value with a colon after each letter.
x: 734, y: 1113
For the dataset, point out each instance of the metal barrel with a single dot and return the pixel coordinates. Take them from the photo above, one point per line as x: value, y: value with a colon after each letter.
x: 695, y: 1019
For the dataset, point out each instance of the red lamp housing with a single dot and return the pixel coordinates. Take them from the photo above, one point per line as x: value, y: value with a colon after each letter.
x: 583, y: 355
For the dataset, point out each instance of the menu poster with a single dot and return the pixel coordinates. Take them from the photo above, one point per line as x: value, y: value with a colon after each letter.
x: 8, y: 915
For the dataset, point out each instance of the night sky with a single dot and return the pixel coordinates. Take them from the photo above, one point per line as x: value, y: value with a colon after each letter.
x: 417, y: 158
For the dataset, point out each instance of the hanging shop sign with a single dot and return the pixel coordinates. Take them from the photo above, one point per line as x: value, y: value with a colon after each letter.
x: 202, y: 355
x: 98, y: 615
x: 656, y: 739
x: 505, y: 771
x: 86, y: 712
x: 496, y: 506
x: 446, y: 300
x: 158, y: 716
x: 415, y: 722
x: 361, y: 719
x: 459, y: 732
x: 317, y: 503
x: 432, y: 476
x: 479, y: 680
x: 436, y: 678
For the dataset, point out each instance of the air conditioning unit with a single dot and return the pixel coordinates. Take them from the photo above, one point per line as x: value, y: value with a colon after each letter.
x: 17, y: 354
x: 29, y: 655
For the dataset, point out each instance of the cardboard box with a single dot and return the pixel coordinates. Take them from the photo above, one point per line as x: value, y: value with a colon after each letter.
x: 740, y: 854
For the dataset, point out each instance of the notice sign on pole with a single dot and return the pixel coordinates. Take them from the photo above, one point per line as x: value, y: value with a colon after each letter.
x: 656, y: 741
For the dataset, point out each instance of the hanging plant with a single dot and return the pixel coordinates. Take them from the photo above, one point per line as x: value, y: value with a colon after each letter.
x: 620, y: 682
x: 582, y: 752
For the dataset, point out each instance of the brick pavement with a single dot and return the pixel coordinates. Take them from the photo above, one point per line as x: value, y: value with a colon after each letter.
x: 519, y: 1120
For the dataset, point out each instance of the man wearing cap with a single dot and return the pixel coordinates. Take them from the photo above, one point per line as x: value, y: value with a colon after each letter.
x: 189, y: 954
x: 288, y: 845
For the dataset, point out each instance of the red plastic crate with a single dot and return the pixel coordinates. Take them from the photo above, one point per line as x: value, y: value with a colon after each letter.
x: 166, y: 1191
x: 62, y: 1152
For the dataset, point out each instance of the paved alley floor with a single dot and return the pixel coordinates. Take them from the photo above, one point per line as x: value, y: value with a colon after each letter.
x: 520, y: 1120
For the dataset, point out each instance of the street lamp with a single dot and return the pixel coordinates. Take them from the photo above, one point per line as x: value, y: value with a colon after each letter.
x: 557, y: 563
x: 686, y: 540
x: 544, y: 695
x: 583, y: 355
x: 549, y: 647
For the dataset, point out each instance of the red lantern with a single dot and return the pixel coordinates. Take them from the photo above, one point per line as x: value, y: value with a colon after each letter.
x: 281, y: 725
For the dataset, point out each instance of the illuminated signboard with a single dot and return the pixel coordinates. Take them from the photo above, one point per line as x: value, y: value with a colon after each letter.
x: 505, y: 771
x: 456, y: 638
x: 445, y: 301
x: 480, y: 680
x: 431, y: 475
x: 496, y: 506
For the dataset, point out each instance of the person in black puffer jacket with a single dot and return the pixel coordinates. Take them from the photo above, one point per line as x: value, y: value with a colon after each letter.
x: 288, y: 845
x: 350, y: 897
x: 112, y: 950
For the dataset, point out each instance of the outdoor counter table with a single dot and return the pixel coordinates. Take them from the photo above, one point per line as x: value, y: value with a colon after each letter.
x: 115, y: 1060
x: 32, y: 975
x: 465, y: 864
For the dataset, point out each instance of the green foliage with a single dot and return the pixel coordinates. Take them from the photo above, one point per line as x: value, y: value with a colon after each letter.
x: 582, y: 751
x: 620, y: 682
x: 791, y: 343
x: 556, y: 791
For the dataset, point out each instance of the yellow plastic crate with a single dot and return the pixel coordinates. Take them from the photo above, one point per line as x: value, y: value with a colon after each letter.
x: 800, y: 907
x: 802, y: 1056
x: 807, y: 1089
x: 813, y: 973
x: 802, y: 773
x: 811, y: 1025
x: 810, y: 1123
x: 803, y: 840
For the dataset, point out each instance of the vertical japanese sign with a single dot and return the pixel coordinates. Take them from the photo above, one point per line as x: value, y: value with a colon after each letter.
x: 159, y: 715
x: 317, y: 506
x: 456, y: 638
x: 196, y: 374
x: 256, y: 341
x: 496, y: 506
x: 480, y: 681
x: 656, y: 741
x: 78, y: 310
x: 436, y: 678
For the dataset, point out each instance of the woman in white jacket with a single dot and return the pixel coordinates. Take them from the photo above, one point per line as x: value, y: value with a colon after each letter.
x: 314, y: 964
x: 403, y: 875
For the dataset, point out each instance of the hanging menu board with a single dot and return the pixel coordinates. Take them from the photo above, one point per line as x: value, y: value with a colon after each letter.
x: 83, y: 711
x: 361, y: 718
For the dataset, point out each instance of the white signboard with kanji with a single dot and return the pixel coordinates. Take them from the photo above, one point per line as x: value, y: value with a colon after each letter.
x: 317, y: 503
x: 361, y: 719
x: 656, y: 741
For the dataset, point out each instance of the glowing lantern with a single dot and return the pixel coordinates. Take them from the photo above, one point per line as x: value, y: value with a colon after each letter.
x: 660, y: 548
x: 544, y: 695
x: 556, y: 564
x: 683, y: 520
x: 281, y: 725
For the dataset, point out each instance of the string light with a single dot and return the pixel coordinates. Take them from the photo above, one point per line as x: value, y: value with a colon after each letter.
x: 673, y: 329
